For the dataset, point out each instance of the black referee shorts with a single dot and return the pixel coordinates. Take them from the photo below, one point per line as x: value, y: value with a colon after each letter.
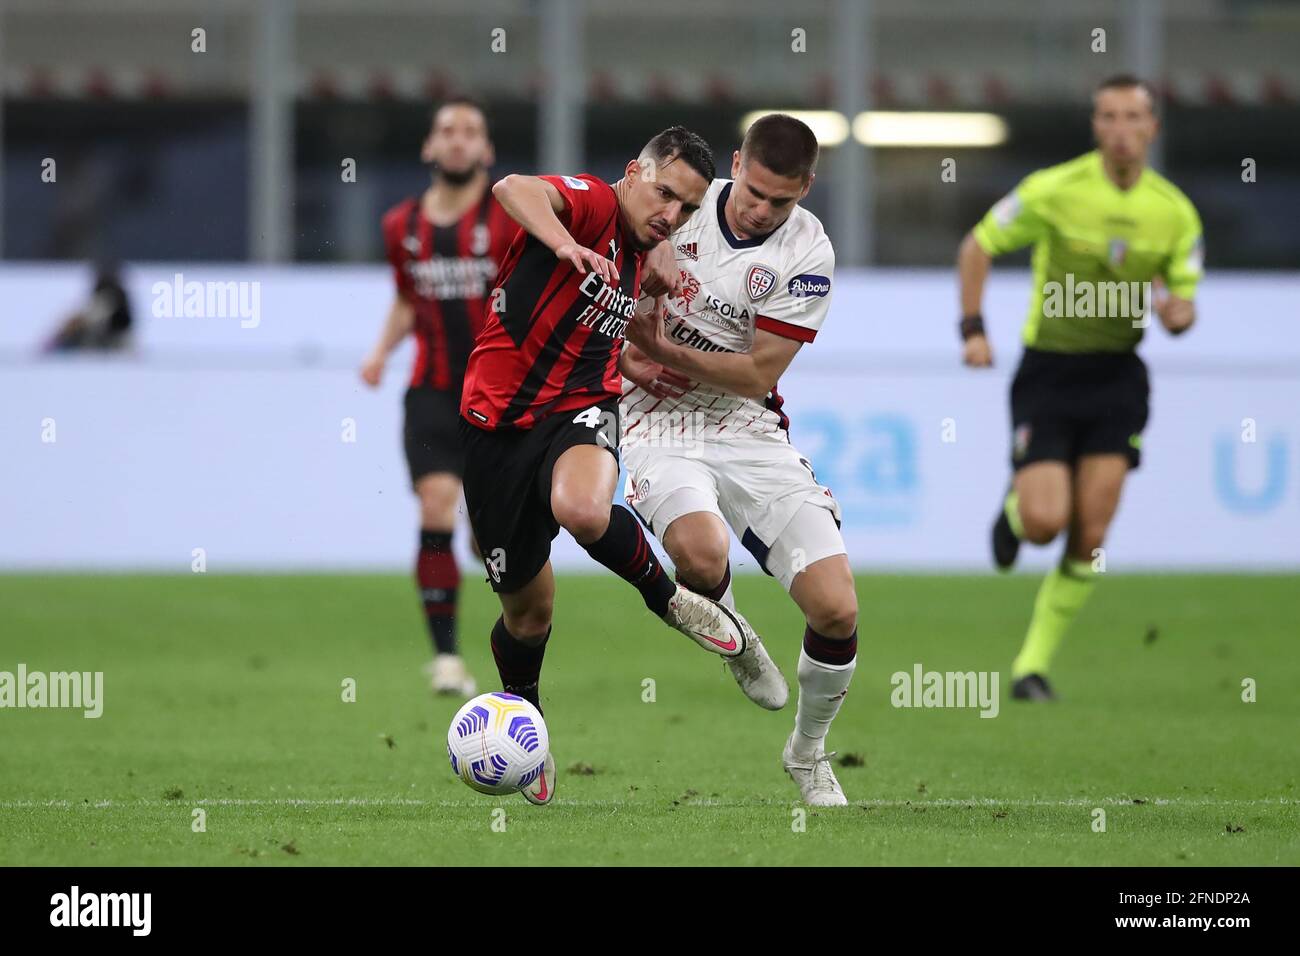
x: 1068, y: 405
x: 508, y: 486
x: 430, y: 435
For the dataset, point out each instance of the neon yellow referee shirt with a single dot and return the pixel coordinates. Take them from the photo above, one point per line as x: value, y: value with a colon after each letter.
x: 1095, y: 248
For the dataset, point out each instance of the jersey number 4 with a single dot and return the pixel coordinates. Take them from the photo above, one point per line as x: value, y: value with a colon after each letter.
x: 589, y: 417
x: 605, y: 422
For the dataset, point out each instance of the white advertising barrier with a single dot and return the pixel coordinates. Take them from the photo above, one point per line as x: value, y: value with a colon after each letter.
x: 259, y: 446
x: 325, y: 314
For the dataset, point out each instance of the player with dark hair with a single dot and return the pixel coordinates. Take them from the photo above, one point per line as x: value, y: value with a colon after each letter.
x: 445, y: 246
x: 712, y: 449
x: 540, y: 408
x: 1106, y: 229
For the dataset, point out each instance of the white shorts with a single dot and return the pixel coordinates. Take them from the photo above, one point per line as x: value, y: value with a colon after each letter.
x: 762, y: 487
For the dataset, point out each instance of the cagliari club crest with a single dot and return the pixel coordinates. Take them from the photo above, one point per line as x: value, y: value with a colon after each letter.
x: 762, y: 280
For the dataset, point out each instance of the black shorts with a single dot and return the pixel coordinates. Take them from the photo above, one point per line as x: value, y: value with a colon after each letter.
x: 508, y: 486
x: 1065, y: 406
x: 430, y: 433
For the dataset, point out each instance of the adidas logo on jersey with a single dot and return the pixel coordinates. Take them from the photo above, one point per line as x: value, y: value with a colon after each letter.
x: 690, y: 250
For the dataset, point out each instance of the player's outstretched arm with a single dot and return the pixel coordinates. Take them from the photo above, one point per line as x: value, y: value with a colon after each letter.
x: 400, y: 321
x: 752, y: 374
x: 536, y: 205
x: 973, y: 265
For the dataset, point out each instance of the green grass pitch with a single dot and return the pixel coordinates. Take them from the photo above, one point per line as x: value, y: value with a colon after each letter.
x: 224, y: 693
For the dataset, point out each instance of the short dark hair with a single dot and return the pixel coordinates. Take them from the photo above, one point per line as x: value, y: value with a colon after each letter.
x: 1126, y: 81
x: 677, y: 142
x: 461, y: 100
x: 783, y: 144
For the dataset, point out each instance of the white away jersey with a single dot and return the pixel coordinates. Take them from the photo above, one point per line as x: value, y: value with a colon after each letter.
x: 780, y: 283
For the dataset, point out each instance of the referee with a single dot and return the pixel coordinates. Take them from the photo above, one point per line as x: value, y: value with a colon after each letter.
x: 1113, y: 240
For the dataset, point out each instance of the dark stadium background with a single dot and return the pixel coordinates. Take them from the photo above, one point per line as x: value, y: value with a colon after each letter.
x: 162, y: 136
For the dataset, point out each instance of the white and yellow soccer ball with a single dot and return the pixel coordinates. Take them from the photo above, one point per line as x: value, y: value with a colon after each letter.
x: 497, y: 743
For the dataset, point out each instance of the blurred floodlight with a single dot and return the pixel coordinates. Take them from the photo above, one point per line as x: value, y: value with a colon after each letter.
x: 830, y: 128
x: 929, y: 129
x: 877, y: 128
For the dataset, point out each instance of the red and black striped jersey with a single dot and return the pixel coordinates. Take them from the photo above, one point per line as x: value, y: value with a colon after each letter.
x: 445, y: 273
x: 552, y: 335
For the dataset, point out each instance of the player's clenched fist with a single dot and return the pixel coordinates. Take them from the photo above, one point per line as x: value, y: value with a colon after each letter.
x: 586, y: 260
x: 660, y: 275
x: 976, y: 352
x: 1176, y: 314
x: 646, y: 330
x: 372, y: 370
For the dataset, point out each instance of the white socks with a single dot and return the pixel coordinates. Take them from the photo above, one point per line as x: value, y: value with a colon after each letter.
x: 821, y: 691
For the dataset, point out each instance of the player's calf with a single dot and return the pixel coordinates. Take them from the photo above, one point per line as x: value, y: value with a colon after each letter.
x: 519, y: 661
x: 438, y: 578
x: 529, y: 620
x: 1086, y: 539
x: 826, y: 667
x: 623, y: 549
x: 825, y: 593
x: 519, y: 636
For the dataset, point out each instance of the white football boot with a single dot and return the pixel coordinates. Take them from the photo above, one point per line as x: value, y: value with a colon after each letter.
x: 814, y: 776
x: 448, y: 675
x: 707, y: 623
x: 756, y: 672
x: 541, y: 790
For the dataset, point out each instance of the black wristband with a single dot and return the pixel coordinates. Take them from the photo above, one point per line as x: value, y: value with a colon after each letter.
x: 971, y: 325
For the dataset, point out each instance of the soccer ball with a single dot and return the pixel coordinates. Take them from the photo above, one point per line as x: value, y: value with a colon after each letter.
x: 497, y: 743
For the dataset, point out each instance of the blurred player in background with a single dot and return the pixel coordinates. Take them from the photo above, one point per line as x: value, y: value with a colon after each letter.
x: 1106, y: 229
x: 104, y: 323
x: 540, y: 407
x: 445, y: 246
x: 715, y: 450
